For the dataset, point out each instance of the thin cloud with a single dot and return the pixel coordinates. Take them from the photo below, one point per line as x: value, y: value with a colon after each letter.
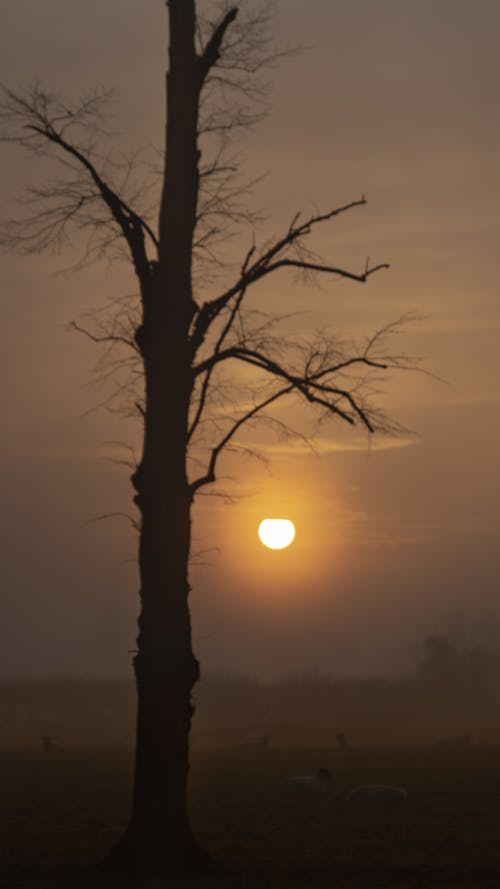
x: 323, y: 446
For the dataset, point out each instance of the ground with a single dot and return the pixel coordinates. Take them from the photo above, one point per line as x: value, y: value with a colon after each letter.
x: 61, y: 812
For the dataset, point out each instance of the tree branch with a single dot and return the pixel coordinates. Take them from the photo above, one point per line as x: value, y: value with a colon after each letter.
x: 41, y: 119
x: 332, y: 270
x: 104, y: 338
x: 307, y: 385
x: 314, y: 384
x: 210, y: 367
x: 324, y: 379
x: 211, y: 53
x: 269, y: 261
x: 263, y: 361
x: 131, y: 225
x: 209, y: 476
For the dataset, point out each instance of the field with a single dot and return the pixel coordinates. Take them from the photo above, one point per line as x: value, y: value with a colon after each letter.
x: 62, y: 811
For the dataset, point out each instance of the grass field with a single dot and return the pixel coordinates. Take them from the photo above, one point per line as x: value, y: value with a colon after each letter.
x: 61, y: 812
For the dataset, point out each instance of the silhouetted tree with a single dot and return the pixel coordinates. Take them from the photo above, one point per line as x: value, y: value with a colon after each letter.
x: 439, y: 660
x: 471, y: 669
x: 185, y: 343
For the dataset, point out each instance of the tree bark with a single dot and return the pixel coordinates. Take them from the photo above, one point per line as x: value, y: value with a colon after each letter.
x: 159, y: 838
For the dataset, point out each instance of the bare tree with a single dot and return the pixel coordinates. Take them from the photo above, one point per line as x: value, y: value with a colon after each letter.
x: 188, y: 346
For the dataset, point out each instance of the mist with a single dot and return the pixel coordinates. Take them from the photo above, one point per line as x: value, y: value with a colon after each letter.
x: 452, y: 698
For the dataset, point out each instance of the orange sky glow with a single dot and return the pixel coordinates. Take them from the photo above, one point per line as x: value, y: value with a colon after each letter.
x: 396, y: 538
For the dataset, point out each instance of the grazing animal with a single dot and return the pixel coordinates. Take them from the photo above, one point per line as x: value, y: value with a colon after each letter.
x: 378, y: 793
x: 316, y: 783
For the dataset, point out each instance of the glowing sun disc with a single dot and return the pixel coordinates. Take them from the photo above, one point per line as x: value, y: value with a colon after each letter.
x: 276, y: 533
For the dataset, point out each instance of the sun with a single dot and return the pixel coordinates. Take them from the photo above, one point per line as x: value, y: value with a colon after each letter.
x: 276, y: 533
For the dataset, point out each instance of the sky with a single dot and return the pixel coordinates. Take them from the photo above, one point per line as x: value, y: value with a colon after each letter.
x: 396, y: 539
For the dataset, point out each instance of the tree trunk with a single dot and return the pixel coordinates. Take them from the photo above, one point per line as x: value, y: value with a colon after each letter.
x: 158, y: 839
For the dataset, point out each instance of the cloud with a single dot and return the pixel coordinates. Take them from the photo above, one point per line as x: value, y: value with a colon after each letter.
x: 323, y: 446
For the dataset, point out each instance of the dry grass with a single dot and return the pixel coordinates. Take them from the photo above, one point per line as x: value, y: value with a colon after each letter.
x: 61, y: 812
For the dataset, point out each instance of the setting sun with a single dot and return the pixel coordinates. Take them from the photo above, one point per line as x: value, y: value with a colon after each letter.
x: 276, y: 533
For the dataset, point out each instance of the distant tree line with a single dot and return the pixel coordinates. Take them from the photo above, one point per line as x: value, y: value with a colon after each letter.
x: 453, y: 693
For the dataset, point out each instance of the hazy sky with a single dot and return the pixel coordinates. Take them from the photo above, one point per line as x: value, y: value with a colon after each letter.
x: 395, y: 99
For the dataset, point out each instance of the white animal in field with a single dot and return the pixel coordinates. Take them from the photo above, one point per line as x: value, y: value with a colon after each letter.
x: 315, y: 783
x: 378, y: 793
